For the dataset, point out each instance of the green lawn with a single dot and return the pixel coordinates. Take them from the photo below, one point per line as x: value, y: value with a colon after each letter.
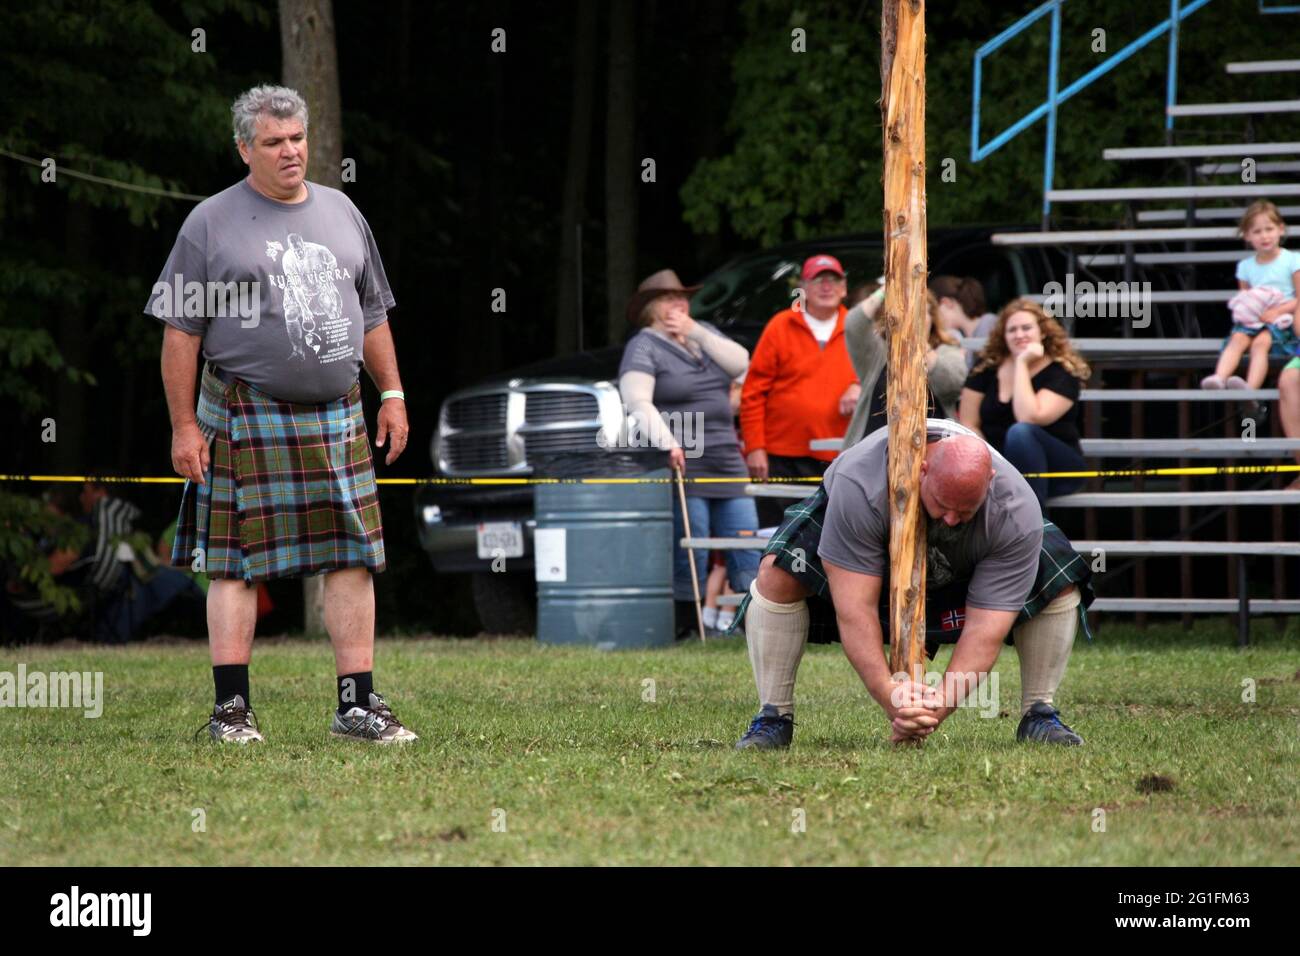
x: 587, y: 772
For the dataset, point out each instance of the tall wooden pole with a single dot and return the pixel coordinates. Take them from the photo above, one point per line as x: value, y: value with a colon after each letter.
x: 902, y: 109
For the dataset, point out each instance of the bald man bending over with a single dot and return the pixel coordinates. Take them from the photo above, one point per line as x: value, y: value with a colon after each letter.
x: 996, y: 571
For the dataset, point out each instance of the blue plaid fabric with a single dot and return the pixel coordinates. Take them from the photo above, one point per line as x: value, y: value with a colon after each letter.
x: 290, y: 490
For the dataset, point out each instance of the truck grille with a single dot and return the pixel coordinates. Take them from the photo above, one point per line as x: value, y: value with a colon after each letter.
x: 544, y: 408
x: 470, y: 453
x: 566, y: 439
x: 477, y: 411
x: 502, y: 431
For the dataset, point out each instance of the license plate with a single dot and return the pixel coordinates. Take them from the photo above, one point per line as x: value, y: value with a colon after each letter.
x: 500, y: 539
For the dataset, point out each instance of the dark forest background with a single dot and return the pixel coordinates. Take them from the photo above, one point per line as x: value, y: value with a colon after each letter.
x: 473, y: 167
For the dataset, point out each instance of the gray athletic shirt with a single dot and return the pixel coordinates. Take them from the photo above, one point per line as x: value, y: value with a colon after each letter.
x: 997, y: 550
x: 320, y: 286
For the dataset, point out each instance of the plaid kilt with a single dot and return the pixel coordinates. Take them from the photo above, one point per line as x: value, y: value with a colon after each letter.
x: 795, y: 545
x: 290, y: 490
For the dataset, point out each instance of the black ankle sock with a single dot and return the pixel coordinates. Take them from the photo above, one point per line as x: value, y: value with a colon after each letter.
x: 355, y: 693
x: 230, y: 679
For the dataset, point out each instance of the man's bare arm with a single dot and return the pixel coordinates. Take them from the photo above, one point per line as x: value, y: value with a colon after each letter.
x: 910, y: 708
x: 856, y: 597
x: 381, y: 358
x: 180, y: 363
x: 976, y: 651
x: 381, y: 362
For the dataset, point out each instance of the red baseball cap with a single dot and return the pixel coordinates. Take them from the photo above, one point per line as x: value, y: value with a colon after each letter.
x: 815, y: 265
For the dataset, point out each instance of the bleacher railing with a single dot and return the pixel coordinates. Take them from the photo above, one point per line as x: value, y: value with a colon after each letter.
x: 1056, y: 95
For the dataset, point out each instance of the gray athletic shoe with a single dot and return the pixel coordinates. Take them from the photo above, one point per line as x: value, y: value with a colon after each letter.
x: 233, y: 723
x: 374, y: 724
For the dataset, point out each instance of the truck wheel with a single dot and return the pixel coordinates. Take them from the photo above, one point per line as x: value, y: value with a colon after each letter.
x: 506, y: 603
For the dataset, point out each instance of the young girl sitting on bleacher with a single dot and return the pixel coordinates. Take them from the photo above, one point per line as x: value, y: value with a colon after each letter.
x: 1267, y: 300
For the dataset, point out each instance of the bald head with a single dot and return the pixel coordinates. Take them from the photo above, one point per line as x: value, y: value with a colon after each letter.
x: 956, y: 475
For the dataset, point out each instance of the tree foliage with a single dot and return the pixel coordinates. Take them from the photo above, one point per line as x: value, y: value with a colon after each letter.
x: 805, y: 154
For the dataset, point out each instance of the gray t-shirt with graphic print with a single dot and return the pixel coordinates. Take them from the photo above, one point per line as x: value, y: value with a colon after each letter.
x: 997, y: 550
x: 282, y: 293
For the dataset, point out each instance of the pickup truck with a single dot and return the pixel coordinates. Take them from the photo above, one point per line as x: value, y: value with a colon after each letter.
x: 500, y: 427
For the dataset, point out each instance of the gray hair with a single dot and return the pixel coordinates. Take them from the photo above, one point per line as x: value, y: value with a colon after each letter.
x: 278, y: 101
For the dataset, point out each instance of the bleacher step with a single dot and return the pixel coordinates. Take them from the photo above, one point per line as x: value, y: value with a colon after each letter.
x: 1253, y: 108
x: 1201, y: 151
x: 1163, y: 258
x: 1097, y: 237
x: 1230, y: 213
x: 1262, y: 66
x: 1143, y: 193
x: 1110, y: 548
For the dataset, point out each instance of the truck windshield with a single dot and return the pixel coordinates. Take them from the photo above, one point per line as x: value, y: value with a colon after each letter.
x: 744, y: 294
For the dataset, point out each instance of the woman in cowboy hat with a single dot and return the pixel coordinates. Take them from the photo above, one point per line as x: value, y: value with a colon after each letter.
x: 675, y: 380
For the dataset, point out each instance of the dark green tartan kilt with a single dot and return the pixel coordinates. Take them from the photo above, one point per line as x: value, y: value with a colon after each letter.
x: 795, y: 546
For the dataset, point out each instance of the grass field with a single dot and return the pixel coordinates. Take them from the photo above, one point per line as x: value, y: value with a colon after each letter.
x: 588, y: 772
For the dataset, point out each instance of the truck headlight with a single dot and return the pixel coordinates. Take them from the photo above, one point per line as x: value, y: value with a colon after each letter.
x: 432, y: 514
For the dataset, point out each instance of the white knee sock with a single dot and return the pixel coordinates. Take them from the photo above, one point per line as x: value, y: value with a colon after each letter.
x: 1043, y: 644
x: 776, y: 634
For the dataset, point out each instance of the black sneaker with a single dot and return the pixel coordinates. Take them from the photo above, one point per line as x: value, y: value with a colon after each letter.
x: 233, y: 723
x: 768, y: 731
x: 1043, y: 724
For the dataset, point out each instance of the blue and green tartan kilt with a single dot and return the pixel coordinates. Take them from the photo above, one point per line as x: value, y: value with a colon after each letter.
x: 290, y: 489
x: 795, y: 546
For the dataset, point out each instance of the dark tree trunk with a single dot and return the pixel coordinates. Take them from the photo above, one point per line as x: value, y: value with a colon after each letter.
x: 568, y: 295
x: 311, y: 66
x: 622, y: 171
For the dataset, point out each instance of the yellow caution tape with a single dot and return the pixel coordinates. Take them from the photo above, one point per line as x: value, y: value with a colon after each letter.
x: 1195, y: 471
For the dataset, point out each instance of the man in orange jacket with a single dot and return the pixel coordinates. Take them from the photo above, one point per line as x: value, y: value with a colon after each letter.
x: 800, y: 384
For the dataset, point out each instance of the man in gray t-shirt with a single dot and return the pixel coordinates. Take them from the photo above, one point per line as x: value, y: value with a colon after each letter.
x: 282, y: 294
x: 279, y: 283
x: 992, y: 564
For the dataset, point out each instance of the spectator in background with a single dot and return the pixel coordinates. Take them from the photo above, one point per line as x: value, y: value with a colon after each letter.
x: 683, y: 369
x: 26, y: 616
x: 1023, y: 396
x: 800, y: 384
x: 1288, y: 406
x: 124, y: 583
x: 945, y: 365
x: 1266, y: 307
x: 963, y: 310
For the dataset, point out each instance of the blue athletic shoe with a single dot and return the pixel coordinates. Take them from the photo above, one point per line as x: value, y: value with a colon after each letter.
x: 1043, y: 724
x: 768, y: 731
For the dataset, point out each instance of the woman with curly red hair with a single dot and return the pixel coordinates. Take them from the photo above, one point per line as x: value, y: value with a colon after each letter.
x: 1023, y: 396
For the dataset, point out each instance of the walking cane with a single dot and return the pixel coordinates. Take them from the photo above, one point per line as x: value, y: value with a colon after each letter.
x: 690, y: 557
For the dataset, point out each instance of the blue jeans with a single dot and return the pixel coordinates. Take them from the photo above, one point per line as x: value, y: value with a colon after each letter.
x: 1031, y: 449
x: 125, y: 613
x: 713, y: 518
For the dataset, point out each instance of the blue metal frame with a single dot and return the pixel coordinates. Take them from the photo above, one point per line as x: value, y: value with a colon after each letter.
x: 1287, y: 8
x: 1055, y: 95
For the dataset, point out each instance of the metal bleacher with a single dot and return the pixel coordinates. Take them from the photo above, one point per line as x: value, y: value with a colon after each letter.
x: 1174, y: 255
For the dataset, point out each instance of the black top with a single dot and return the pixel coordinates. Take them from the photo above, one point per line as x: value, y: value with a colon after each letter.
x: 996, y: 417
x: 878, y: 413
